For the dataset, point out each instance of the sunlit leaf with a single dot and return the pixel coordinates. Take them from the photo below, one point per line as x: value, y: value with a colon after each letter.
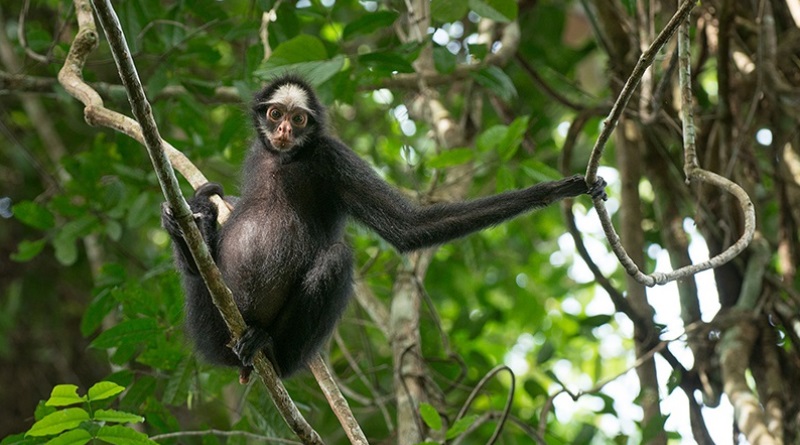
x: 120, y: 435
x: 460, y: 426
x: 430, y: 416
x: 449, y: 158
x: 59, y: 421
x: 73, y: 437
x: 369, y: 23
x: 110, y: 415
x: 104, y: 390
x: 64, y: 395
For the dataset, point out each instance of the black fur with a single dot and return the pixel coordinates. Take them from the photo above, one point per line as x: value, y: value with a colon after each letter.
x: 282, y: 251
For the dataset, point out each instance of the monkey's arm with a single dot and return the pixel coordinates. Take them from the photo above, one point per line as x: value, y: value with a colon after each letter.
x: 407, y: 226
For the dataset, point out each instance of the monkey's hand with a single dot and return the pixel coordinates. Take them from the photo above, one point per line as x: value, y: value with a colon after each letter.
x: 255, y: 339
x: 598, y: 189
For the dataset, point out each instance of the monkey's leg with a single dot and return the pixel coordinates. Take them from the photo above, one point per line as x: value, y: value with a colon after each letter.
x: 308, y: 316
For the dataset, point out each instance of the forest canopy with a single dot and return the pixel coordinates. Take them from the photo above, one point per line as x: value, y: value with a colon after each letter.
x: 537, y: 330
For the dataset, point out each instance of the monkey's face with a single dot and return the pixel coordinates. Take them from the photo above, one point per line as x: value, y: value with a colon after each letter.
x: 285, y: 119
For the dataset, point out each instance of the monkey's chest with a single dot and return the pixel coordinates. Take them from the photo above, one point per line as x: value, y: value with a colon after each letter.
x: 262, y: 258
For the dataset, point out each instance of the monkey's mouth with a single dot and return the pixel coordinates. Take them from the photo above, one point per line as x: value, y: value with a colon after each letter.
x: 281, y: 143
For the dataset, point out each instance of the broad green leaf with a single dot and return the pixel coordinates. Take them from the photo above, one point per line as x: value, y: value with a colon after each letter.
x: 430, y: 416
x: 447, y: 11
x: 387, y: 62
x: 34, y: 215
x: 67, y: 236
x: 369, y: 23
x: 66, y: 250
x: 27, y: 250
x: 546, y: 352
x: 120, y: 435
x: 488, y: 140
x: 315, y: 72
x: 303, y: 48
x: 129, y: 332
x: 64, y: 395
x: 111, y: 415
x: 138, y: 214
x: 450, y: 158
x: 73, y: 437
x: 104, y: 390
x: 498, y: 10
x: 534, y: 389
x: 497, y: 81
x: 513, y: 138
x: 20, y: 439
x: 59, y: 421
x: 444, y: 61
x: 595, y: 320
x: 460, y: 426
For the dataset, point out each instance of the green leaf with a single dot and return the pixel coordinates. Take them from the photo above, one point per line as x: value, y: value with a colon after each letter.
x: 447, y: 11
x: 120, y: 435
x: 430, y: 416
x: 104, y: 390
x: 513, y: 138
x: 369, y: 23
x: 444, y: 61
x: 20, y: 439
x: 138, y: 212
x: 460, y: 426
x: 497, y: 10
x: 34, y: 215
x: 534, y: 389
x: 316, y: 73
x: 59, y: 421
x: 491, y: 137
x: 97, y: 310
x: 27, y: 250
x: 452, y: 157
x: 129, y: 332
x: 64, y: 395
x: 74, y: 437
x: 303, y: 48
x: 546, y: 352
x: 111, y: 415
x: 497, y: 81
x: 387, y: 62
x: 66, y: 250
x: 65, y: 239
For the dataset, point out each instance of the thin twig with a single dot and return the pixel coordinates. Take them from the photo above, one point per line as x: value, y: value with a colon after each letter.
x: 691, y: 165
x: 499, y: 428
x: 337, y: 401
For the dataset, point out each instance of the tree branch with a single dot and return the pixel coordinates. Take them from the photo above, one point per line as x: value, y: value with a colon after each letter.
x: 692, y: 169
x: 146, y: 131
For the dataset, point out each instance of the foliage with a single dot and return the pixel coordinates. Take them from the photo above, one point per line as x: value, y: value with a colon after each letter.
x: 88, y: 292
x: 57, y: 424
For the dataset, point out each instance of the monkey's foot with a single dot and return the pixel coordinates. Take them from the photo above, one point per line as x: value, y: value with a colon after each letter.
x: 255, y: 339
x: 598, y: 189
x: 244, y: 374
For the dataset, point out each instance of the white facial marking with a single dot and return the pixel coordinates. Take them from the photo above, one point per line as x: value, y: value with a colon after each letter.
x: 291, y: 96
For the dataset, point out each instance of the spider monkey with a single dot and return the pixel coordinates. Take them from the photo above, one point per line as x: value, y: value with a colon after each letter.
x: 282, y: 251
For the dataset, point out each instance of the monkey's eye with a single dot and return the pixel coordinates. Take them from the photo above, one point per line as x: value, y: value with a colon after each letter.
x: 300, y: 120
x: 274, y: 114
